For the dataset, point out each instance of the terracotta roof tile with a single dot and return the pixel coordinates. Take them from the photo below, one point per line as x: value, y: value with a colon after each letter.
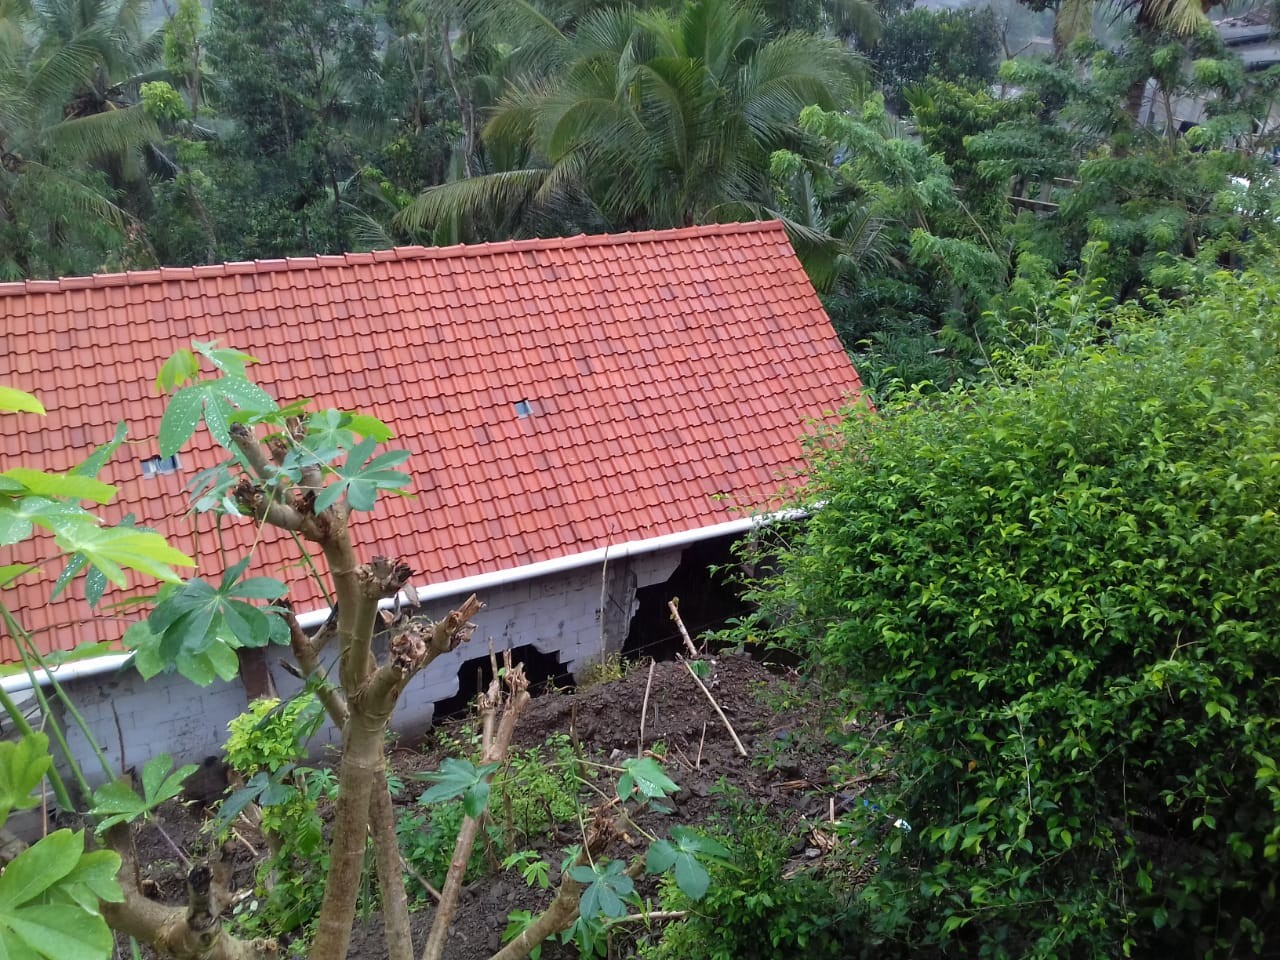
x: 662, y: 368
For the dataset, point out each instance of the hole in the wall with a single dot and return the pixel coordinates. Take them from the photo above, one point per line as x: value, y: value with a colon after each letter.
x: 474, y: 676
x: 156, y: 466
x: 707, y: 599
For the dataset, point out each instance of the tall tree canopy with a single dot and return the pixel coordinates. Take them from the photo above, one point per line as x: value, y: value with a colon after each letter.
x: 648, y: 119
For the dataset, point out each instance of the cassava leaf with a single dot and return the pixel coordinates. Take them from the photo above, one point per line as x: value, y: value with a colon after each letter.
x: 13, y: 400
x: 23, y: 764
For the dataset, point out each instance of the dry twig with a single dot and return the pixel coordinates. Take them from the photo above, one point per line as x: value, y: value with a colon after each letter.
x: 742, y: 751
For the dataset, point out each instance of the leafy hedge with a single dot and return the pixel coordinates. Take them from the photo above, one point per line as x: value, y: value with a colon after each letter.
x: 1064, y: 595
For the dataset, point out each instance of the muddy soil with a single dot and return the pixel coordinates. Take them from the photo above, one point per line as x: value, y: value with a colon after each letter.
x: 778, y: 722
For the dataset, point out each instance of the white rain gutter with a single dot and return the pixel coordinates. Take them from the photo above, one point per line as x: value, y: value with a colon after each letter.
x: 501, y: 578
x: 89, y: 667
x: 476, y: 584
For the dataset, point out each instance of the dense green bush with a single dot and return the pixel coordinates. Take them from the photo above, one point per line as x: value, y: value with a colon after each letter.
x: 1062, y: 592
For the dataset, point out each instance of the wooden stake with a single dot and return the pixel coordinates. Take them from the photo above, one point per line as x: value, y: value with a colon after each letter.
x: 742, y: 751
x: 674, y: 606
x: 644, y: 709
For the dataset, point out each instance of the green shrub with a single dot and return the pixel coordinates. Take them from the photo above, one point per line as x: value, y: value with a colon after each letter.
x: 536, y: 789
x: 1066, y: 592
x: 752, y: 909
x: 271, y: 738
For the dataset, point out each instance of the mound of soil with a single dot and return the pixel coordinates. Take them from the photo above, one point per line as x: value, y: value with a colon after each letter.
x: 786, y: 764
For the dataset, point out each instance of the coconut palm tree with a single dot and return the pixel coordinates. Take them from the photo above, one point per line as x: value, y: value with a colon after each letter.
x: 59, y: 124
x: 646, y: 120
x: 1181, y: 18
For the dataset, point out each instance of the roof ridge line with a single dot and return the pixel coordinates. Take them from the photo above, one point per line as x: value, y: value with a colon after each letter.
x: 399, y: 254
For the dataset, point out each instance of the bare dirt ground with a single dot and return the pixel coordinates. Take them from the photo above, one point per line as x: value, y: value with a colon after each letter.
x: 787, y: 767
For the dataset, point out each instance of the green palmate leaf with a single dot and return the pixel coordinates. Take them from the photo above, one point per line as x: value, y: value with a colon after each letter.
x: 14, y: 528
x: 361, y: 480
x: 367, y: 426
x: 331, y: 432
x: 117, y: 802
x: 476, y: 799
x: 74, y: 565
x: 180, y: 419
x: 95, y: 583
x: 57, y: 932
x: 146, y: 648
x: 254, y: 588
x: 211, y: 488
x: 19, y: 401
x: 93, y: 465
x: 13, y: 571
x: 23, y: 764
x: 94, y: 880
x: 217, y: 417
x: 113, y: 549
x: 160, y: 782
x: 229, y: 361
x: 460, y: 778
x: 683, y: 855
x: 72, y: 486
x: 217, y: 401
x: 220, y: 657
x: 245, y: 394
x: 40, y: 867
x: 267, y: 789
x: 18, y: 516
x: 607, y: 887
x: 197, y: 629
x: 643, y: 779
x: 179, y: 369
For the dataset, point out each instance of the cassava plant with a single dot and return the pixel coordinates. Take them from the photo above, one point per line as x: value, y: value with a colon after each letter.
x: 305, y: 473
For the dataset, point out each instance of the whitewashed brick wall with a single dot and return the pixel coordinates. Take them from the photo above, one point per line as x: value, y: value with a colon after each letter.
x: 558, y: 615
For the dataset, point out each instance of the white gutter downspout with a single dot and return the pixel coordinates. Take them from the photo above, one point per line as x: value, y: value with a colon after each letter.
x: 475, y: 584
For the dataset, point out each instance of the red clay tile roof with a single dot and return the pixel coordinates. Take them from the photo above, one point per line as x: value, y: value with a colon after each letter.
x: 663, y: 369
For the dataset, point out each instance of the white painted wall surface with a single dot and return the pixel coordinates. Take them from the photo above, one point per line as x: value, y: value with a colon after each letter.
x: 559, y: 614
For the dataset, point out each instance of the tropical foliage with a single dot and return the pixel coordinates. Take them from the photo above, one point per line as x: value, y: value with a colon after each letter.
x: 1057, y: 590
x: 649, y: 120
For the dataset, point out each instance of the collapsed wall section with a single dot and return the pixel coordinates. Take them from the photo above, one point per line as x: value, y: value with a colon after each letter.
x: 576, y: 615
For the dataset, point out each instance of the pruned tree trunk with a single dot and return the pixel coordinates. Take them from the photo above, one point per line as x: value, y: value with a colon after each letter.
x: 496, y: 744
x: 368, y: 690
x: 563, y: 910
x: 191, y: 933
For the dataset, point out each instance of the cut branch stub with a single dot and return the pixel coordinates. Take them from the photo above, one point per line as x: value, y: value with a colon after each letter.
x: 279, y: 449
x: 244, y: 440
x: 408, y: 646
x: 383, y: 578
x: 456, y: 628
x: 202, y: 908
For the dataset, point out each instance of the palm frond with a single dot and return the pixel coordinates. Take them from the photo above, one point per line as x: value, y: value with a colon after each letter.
x: 1179, y: 17
x: 1072, y: 19
x: 789, y: 74
x: 102, y: 134
x: 468, y: 198
x: 854, y: 18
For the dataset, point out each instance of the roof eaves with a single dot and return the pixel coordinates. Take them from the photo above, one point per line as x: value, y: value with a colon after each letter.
x: 138, y: 277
